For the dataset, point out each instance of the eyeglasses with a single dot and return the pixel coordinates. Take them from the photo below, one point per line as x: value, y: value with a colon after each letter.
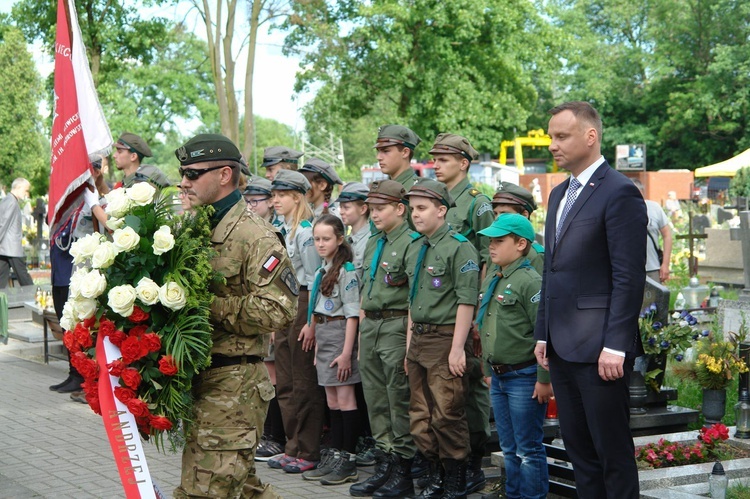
x: 254, y: 202
x: 194, y: 174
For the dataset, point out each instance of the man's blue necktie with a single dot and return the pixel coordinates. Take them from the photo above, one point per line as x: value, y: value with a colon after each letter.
x: 571, y: 199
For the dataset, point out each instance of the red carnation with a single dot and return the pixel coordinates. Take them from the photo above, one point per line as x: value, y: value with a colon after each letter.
x: 69, y: 340
x: 138, y: 315
x: 117, y: 338
x: 132, y: 350
x: 90, y: 321
x: 106, y: 327
x: 93, y: 401
x: 87, y: 368
x: 115, y: 368
x: 124, y: 394
x: 77, y: 359
x: 167, y: 365
x: 91, y: 387
x: 83, y: 336
x: 131, y: 378
x: 160, y: 422
x: 138, y: 331
x: 137, y: 407
x: 152, y: 342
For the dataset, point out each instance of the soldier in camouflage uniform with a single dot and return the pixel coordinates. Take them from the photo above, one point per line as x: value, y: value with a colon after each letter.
x: 259, y: 295
x: 511, y: 198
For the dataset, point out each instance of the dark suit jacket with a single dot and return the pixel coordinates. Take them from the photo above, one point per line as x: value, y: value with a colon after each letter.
x: 593, y: 280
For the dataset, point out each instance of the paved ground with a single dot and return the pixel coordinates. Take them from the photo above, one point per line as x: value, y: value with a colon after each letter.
x: 52, y: 447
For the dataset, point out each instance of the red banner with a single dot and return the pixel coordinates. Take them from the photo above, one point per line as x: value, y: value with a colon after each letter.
x: 69, y: 167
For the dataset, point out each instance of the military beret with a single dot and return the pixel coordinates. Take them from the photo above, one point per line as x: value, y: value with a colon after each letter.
x: 353, y: 191
x: 133, y: 143
x: 258, y: 185
x: 386, y: 191
x: 391, y: 135
x: 280, y: 154
x: 448, y: 143
x: 316, y: 165
x: 207, y: 147
x: 509, y: 193
x: 289, y: 180
x: 510, y: 223
x: 428, y: 188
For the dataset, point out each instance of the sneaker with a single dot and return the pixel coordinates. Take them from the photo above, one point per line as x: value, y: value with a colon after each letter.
x: 279, y: 462
x: 300, y: 466
x: 344, y: 471
x: 78, y: 397
x: 327, y: 463
x: 365, y: 454
x: 267, y: 449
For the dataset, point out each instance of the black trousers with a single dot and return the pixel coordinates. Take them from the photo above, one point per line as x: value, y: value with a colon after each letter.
x: 19, y: 266
x: 595, y: 425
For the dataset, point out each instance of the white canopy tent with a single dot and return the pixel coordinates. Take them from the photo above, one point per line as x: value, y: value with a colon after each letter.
x: 726, y: 168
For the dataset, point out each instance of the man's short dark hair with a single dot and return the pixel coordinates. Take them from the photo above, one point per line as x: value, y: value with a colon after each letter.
x: 584, y: 111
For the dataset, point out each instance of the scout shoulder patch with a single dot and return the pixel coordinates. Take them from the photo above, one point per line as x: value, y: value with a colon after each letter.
x: 474, y: 192
x: 536, y: 297
x: 415, y: 235
x: 352, y: 284
x: 470, y: 266
x: 271, y: 263
x: 305, y: 223
x: 349, y: 267
x: 459, y: 237
x: 484, y: 208
x: 291, y: 284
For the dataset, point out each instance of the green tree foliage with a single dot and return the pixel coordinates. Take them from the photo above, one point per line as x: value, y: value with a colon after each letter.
x: 740, y: 184
x: 21, y: 147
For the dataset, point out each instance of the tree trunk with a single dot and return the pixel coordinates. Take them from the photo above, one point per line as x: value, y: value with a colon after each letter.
x: 249, y: 132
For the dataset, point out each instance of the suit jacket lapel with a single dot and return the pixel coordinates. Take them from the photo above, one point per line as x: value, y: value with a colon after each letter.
x: 594, y: 182
x: 556, y: 197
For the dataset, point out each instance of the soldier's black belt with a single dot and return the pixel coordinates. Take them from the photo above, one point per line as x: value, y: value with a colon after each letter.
x: 378, y: 315
x: 506, y: 368
x: 423, y: 328
x: 224, y: 361
x: 322, y: 319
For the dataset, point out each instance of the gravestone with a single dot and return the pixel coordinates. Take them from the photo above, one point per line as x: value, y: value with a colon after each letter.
x: 724, y: 258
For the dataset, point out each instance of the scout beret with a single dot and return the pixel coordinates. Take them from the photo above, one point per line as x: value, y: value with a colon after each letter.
x: 134, y: 143
x: 280, y: 154
x: 510, y: 223
x: 391, y: 135
x: 316, y: 165
x: 207, y: 147
x: 428, y: 188
x: 386, y: 191
x: 258, y: 185
x: 289, y: 180
x: 509, y: 193
x: 353, y: 191
x: 448, y: 143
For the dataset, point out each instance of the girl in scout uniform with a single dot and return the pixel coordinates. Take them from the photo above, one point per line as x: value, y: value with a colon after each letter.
x: 333, y: 316
x: 355, y: 213
x: 322, y: 178
x: 300, y: 400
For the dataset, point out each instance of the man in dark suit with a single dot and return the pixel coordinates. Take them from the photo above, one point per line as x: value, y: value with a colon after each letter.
x: 592, y: 289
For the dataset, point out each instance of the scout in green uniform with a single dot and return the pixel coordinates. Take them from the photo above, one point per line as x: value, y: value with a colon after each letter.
x: 130, y: 149
x: 443, y: 269
x: 385, y: 295
x: 520, y: 388
x: 355, y: 214
x: 322, y: 177
x: 395, y: 149
x: 473, y: 212
x: 258, y: 296
x: 276, y: 158
x: 511, y: 198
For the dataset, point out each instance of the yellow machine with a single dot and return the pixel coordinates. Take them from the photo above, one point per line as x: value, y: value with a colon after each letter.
x: 535, y: 138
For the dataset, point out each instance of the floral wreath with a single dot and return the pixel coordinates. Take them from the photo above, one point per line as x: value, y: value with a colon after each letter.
x: 147, y: 291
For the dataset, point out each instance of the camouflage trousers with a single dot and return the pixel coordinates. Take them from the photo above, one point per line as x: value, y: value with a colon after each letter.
x: 230, y: 407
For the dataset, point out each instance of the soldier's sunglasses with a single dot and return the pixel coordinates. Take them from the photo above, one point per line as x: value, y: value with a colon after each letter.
x: 194, y: 174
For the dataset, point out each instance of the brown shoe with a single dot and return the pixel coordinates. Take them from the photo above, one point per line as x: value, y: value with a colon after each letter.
x: 78, y: 396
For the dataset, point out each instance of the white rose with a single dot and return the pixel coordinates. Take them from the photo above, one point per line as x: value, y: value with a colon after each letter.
x: 68, y: 322
x: 163, y: 240
x: 147, y: 291
x: 104, y: 256
x: 118, y: 203
x: 84, y: 308
x: 125, y: 239
x: 115, y: 223
x: 172, y: 296
x: 94, y: 285
x: 121, y: 299
x: 141, y: 193
x: 76, y: 281
x: 84, y: 248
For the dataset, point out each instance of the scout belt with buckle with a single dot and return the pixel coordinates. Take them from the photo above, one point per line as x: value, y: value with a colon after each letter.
x: 506, y: 368
x: 224, y: 361
x: 423, y: 328
x: 322, y: 319
x: 385, y: 314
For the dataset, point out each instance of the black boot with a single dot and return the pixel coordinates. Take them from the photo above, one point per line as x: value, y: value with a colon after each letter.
x: 400, y: 483
x: 455, y: 479
x: 383, y: 469
x: 434, y: 488
x: 475, y: 479
x: 420, y: 467
x: 54, y: 388
x: 74, y: 385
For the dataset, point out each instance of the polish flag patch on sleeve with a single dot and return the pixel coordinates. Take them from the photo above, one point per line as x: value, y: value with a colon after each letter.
x: 271, y: 263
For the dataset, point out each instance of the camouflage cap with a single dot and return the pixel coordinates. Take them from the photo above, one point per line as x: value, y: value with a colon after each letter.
x: 353, y: 191
x: 509, y: 193
x: 280, y: 154
x: 207, y: 147
x: 386, y: 191
x: 258, y: 186
x: 316, y: 165
x: 289, y: 180
x: 448, y: 143
x: 133, y: 143
x: 510, y: 223
x: 391, y: 135
x: 428, y: 188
